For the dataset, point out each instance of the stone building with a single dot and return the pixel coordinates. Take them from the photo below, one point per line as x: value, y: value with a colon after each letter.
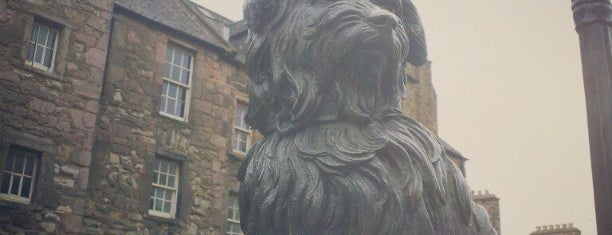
x: 125, y: 117
x: 491, y: 203
x: 563, y: 229
x: 52, y: 56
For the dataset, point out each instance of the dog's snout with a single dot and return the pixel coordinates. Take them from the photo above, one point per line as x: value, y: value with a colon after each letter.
x: 381, y: 19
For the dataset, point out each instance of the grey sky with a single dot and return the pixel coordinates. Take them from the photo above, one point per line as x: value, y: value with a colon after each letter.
x: 510, y: 98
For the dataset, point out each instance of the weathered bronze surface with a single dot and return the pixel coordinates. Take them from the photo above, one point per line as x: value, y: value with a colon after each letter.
x: 338, y: 156
x: 593, y: 20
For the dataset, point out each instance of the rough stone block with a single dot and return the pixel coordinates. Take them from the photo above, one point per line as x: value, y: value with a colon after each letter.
x: 42, y: 106
x: 89, y: 120
x: 73, y: 223
x: 84, y: 38
x: 72, y: 171
x: 86, y: 89
x: 48, y: 227
x: 82, y: 158
x: 64, y: 182
x: 95, y: 57
x: 77, y: 119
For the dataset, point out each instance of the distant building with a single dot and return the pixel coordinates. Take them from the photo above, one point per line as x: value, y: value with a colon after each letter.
x: 126, y: 117
x: 563, y: 229
x: 491, y: 203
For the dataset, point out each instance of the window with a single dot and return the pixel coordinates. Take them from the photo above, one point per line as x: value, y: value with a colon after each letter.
x: 165, y: 183
x: 176, y: 83
x: 242, y: 132
x: 233, y: 216
x: 42, y: 46
x: 19, y: 175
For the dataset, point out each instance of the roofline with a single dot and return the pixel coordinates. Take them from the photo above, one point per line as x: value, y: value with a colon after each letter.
x: 230, y: 48
x: 213, y: 12
x: 119, y: 8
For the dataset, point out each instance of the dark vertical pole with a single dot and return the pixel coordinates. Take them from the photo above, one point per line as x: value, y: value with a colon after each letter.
x: 593, y: 20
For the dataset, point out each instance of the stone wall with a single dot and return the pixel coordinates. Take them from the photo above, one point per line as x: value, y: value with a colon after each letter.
x: 132, y: 132
x: 51, y: 112
x: 420, y: 102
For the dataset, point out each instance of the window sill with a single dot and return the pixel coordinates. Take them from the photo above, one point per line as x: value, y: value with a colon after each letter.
x: 14, y: 199
x: 176, y: 118
x: 32, y: 69
x: 160, y: 219
x: 239, y: 155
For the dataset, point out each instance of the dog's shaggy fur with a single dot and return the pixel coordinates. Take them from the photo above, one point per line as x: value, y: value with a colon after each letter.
x: 337, y: 156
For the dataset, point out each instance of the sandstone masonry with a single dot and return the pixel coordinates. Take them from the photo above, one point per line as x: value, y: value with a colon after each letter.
x: 124, y: 114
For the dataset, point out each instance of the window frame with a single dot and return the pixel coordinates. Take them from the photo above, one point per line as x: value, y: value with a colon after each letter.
x: 235, y: 209
x: 174, y: 201
x: 50, y: 27
x: 249, y: 131
x: 36, y: 155
x: 188, y: 87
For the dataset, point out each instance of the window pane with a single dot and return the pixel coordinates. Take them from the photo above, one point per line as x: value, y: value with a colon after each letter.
x: 38, y: 55
x: 172, y: 90
x: 29, y: 169
x: 168, y: 195
x: 170, y: 107
x: 164, y: 167
x: 9, y: 161
x: 162, y: 105
x: 158, y: 205
x: 242, y: 147
x: 42, y: 36
x: 6, y: 178
x: 19, y: 162
x: 171, y: 181
x: 151, y: 202
x: 229, y: 214
x: 167, y: 67
x: 169, y: 52
x: 15, y: 185
x: 34, y: 34
x: 47, y: 61
x: 185, y: 77
x: 51, y: 40
x: 25, y: 187
x: 164, y: 88
x: 186, y: 61
x: 182, y: 93
x: 167, y: 207
x: 173, y: 169
x: 31, y: 49
x: 243, y: 136
x: 237, y: 118
x: 162, y: 179
x: 181, y: 109
x: 154, y: 179
x: 175, y: 73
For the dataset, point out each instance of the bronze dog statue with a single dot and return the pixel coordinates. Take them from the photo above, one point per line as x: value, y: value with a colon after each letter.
x: 338, y: 156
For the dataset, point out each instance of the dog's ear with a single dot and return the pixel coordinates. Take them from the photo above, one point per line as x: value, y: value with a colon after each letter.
x: 259, y: 13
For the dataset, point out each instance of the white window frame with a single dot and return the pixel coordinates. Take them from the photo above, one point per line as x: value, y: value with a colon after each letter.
x: 248, y: 131
x: 187, y: 87
x: 235, y: 209
x: 175, y: 189
x: 29, y: 42
x: 17, y: 198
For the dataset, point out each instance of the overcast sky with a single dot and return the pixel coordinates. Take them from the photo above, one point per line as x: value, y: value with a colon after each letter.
x: 510, y: 98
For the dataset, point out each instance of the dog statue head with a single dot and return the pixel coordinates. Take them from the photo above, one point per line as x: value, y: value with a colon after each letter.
x: 320, y: 60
